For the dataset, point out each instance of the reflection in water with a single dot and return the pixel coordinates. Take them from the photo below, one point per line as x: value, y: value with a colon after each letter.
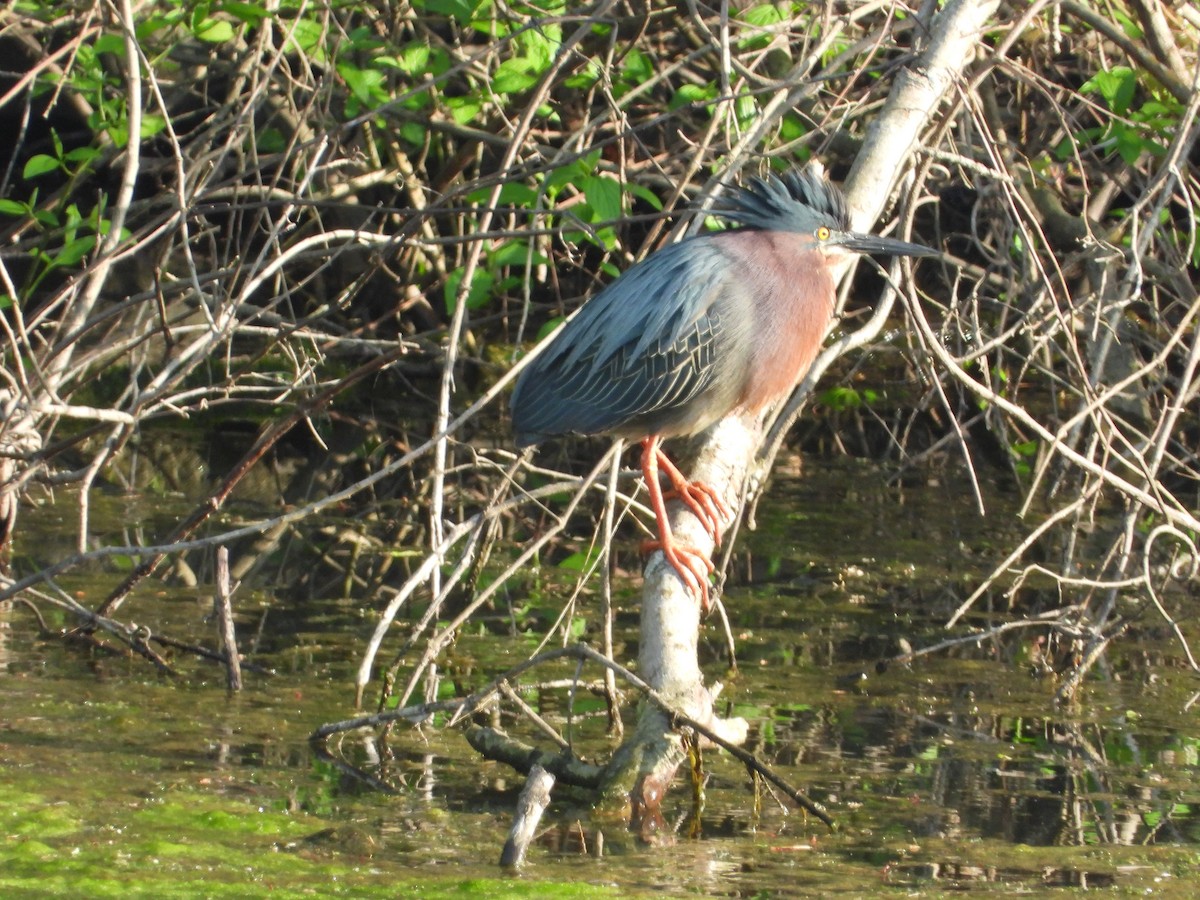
x: 955, y: 768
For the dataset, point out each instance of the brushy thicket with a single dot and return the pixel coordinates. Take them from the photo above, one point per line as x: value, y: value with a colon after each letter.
x: 339, y: 220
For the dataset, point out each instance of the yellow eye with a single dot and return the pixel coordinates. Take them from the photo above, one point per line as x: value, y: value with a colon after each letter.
x: 822, y: 233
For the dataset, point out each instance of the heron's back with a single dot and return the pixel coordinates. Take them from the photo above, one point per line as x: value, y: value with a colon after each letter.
x: 697, y: 330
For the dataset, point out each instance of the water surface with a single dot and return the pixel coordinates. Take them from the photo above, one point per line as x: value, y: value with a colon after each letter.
x: 956, y: 771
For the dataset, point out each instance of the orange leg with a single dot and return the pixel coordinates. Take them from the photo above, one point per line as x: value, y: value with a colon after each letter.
x: 701, y: 499
x: 692, y: 565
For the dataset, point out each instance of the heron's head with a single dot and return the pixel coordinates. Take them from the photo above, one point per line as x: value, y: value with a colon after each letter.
x: 807, y: 203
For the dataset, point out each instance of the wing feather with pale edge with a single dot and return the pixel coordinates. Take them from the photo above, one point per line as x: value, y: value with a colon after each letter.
x: 642, y: 348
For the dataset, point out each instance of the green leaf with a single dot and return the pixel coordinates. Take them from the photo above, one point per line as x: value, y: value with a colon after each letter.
x: 214, y: 31
x: 513, y: 76
x: 74, y: 217
x: 578, y: 562
x: 515, y: 253
x: 413, y: 133
x: 512, y: 193
x: 583, y: 79
x: 250, y: 13
x: 413, y: 59
x: 763, y: 16
x: 40, y: 164
x: 461, y: 11
x: 759, y: 18
x: 605, y: 237
x: 791, y: 127
x: 82, y: 154
x: 109, y: 43
x: 464, y: 110
x: 73, y: 251
x: 1129, y: 143
x: 539, y: 45
x: 745, y: 108
x: 638, y: 67
x: 479, y: 294
x: 572, y: 173
x: 1116, y: 86
x: 5, y: 301
x: 691, y: 93
x: 304, y: 35
x: 152, y: 124
x: 12, y: 208
x: 843, y: 398
x: 644, y: 193
x: 1025, y: 448
x: 145, y: 29
x: 549, y: 328
x: 119, y: 135
x: 416, y: 59
x: 417, y: 102
x: 364, y: 83
x: 603, y: 196
x: 1131, y: 28
x: 270, y: 140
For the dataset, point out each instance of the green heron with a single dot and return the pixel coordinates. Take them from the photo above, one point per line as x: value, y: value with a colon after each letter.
x: 721, y: 323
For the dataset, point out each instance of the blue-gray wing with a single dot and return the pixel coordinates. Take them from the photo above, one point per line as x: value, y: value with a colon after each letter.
x: 640, y: 354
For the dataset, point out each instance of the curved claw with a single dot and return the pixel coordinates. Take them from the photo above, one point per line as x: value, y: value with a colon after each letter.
x: 704, y: 502
x: 692, y: 565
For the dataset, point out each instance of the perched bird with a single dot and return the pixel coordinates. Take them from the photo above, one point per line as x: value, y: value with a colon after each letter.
x: 722, y: 322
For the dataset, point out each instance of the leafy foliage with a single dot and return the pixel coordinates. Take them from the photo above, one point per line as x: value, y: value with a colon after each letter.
x: 356, y: 217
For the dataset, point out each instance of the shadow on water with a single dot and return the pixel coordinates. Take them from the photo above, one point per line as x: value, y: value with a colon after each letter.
x: 954, y: 771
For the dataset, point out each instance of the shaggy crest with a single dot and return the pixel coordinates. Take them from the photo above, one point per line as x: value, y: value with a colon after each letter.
x: 796, y: 201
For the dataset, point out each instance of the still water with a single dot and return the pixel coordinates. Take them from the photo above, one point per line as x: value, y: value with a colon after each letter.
x: 956, y: 771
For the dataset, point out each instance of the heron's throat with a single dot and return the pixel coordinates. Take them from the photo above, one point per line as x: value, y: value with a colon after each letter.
x: 794, y: 315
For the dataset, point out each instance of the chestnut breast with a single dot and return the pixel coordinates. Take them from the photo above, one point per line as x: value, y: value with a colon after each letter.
x: 792, y: 294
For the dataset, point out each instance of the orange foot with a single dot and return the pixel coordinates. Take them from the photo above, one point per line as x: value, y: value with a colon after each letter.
x: 692, y: 565
x: 704, y: 502
x: 697, y: 496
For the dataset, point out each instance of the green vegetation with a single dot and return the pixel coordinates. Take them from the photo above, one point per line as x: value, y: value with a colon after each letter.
x: 187, y: 844
x: 310, y: 238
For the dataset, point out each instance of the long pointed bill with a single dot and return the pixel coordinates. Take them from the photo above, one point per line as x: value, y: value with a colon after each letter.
x: 869, y: 243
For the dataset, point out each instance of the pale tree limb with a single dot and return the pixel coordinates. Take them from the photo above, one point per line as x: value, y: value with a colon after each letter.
x: 670, y: 618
